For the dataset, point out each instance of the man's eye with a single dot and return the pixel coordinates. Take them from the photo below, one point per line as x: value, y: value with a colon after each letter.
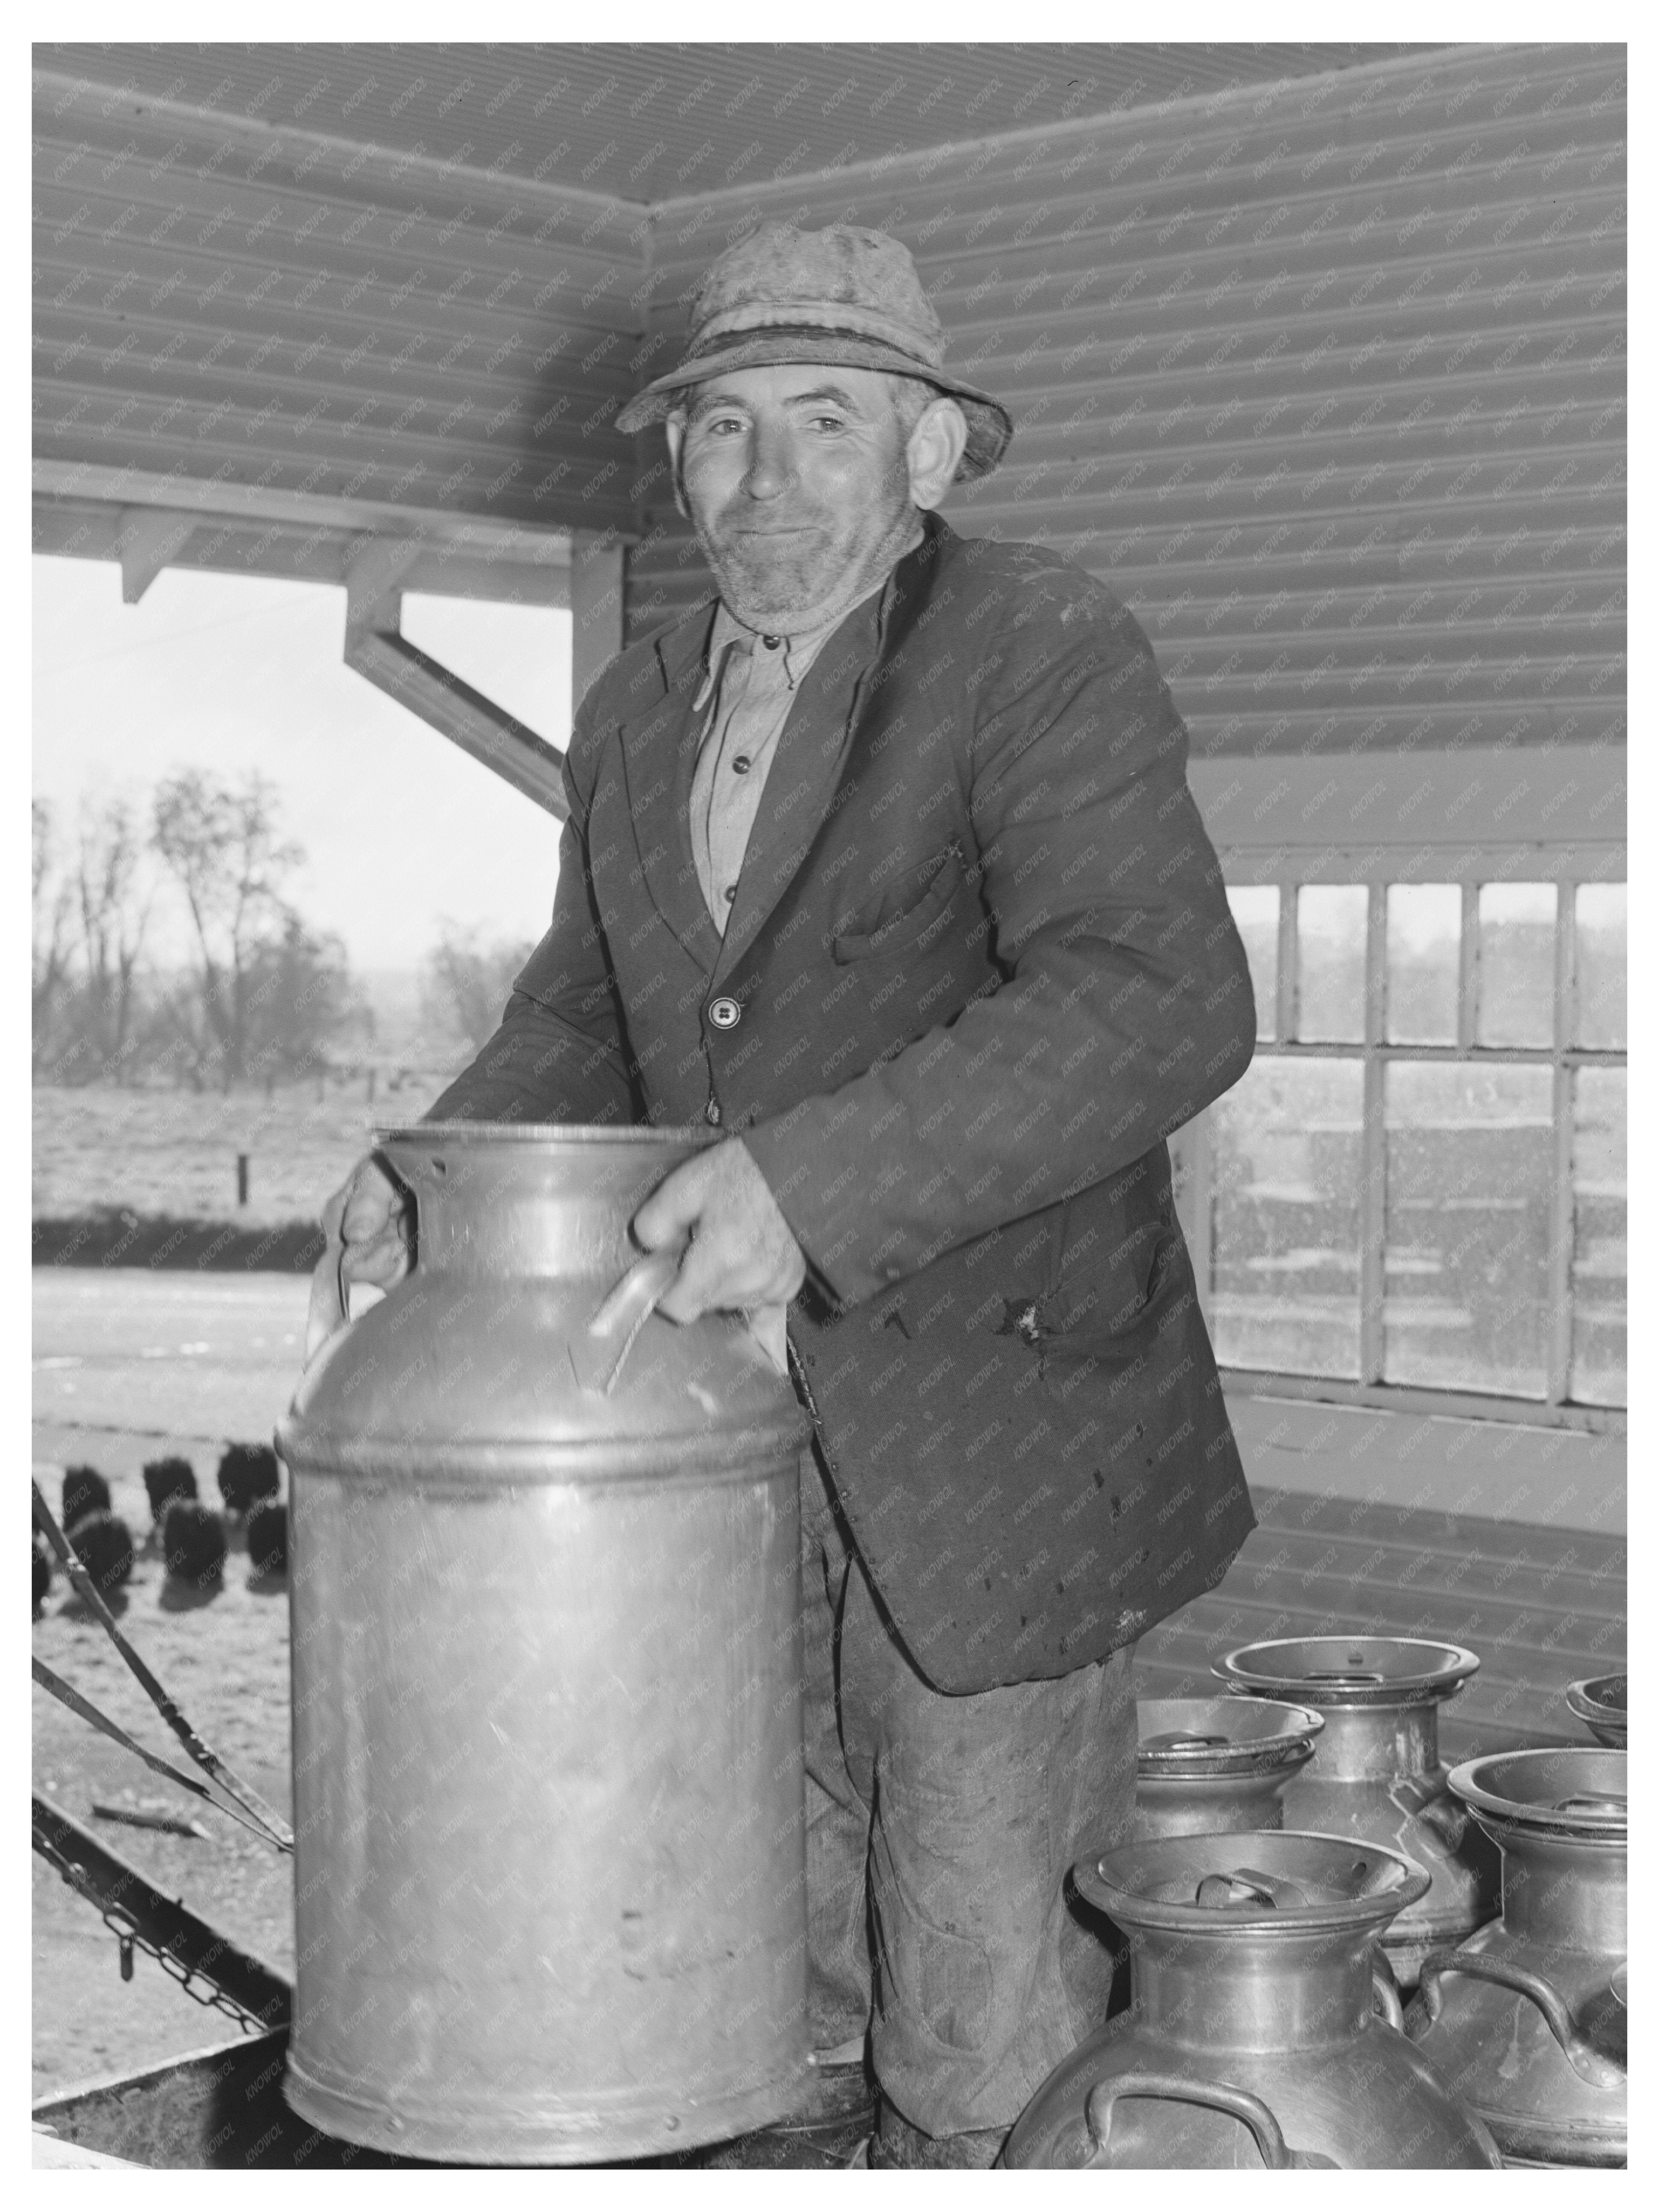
x: 828, y: 422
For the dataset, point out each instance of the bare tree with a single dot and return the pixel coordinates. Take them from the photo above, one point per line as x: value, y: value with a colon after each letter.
x: 113, y: 903
x: 222, y: 845
x: 467, y: 984
x: 51, y: 901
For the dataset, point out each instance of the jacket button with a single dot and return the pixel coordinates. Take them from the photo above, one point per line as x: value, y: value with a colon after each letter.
x: 711, y: 1112
x: 725, y: 1013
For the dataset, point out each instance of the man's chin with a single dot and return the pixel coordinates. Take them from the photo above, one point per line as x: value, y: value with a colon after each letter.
x: 762, y: 590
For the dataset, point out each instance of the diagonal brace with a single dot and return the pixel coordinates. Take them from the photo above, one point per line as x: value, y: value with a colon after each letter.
x: 376, y: 649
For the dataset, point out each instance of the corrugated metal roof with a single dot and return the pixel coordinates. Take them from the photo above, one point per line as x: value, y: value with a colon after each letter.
x: 1330, y: 382
x: 649, y: 121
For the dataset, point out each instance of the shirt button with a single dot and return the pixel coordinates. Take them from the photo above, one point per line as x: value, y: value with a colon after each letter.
x: 740, y: 764
x: 725, y: 1013
x: 731, y: 893
x: 711, y: 1112
x: 770, y: 643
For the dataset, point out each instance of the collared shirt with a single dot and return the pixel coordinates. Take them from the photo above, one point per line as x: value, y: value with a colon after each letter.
x: 748, y: 688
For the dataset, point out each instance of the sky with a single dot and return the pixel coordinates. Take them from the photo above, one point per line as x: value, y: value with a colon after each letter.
x: 401, y: 829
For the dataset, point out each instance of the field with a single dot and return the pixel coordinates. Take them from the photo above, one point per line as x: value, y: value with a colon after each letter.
x: 173, y: 1153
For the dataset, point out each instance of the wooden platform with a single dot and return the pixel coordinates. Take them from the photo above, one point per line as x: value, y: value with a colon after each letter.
x: 1540, y: 1607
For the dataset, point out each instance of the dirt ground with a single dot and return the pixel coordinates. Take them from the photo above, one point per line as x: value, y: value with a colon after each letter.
x: 129, y: 1365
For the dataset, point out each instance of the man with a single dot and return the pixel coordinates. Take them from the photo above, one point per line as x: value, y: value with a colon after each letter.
x: 886, y: 866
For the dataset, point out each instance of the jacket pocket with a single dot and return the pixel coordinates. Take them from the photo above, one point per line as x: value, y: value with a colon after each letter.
x: 1099, y: 1308
x: 915, y: 926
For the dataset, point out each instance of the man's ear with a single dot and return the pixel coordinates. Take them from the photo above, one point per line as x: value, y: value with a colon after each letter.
x: 675, y: 426
x: 935, y: 450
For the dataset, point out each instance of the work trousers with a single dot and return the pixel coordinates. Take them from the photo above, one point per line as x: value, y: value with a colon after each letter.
x: 939, y: 1832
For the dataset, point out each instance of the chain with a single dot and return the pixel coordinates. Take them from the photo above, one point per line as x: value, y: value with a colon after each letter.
x: 127, y: 1933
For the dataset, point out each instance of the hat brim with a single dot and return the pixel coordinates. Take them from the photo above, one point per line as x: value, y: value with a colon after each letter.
x: 990, y: 426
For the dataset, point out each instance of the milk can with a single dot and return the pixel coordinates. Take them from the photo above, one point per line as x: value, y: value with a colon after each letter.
x: 1209, y: 1764
x: 1376, y: 1772
x: 1529, y: 2017
x: 550, y: 1870
x: 1252, y: 2040
x: 1601, y: 1705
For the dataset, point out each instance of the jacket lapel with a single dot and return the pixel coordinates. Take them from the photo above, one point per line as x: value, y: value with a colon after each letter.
x: 659, y: 755
x: 816, y: 738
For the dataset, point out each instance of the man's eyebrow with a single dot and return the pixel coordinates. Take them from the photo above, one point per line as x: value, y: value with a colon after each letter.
x: 707, y: 399
x: 831, y: 393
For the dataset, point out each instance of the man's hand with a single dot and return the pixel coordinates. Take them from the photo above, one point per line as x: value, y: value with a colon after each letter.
x: 743, y: 1253
x: 367, y: 1224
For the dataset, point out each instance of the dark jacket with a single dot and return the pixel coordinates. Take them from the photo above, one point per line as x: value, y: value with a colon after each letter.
x: 984, y: 964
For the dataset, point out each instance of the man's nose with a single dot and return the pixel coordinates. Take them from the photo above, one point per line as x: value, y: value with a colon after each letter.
x: 771, y: 463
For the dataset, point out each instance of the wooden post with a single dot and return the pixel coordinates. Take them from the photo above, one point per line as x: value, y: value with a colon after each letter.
x: 241, y: 1178
x: 596, y: 608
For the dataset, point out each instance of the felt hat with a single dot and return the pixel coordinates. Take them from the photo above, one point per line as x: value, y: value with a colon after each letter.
x: 848, y: 298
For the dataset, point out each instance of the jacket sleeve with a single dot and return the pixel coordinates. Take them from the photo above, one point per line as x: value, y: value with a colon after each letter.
x: 560, y: 1054
x: 1124, y: 1006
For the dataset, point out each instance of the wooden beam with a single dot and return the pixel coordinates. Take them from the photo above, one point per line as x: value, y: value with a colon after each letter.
x: 376, y: 649
x: 515, y: 753
x: 596, y: 608
x: 148, y: 539
x: 205, y: 498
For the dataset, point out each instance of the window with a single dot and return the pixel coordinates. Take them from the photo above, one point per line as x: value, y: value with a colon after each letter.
x: 1420, y: 1184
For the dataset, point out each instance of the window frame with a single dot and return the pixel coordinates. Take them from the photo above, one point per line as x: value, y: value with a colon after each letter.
x: 1192, y: 1148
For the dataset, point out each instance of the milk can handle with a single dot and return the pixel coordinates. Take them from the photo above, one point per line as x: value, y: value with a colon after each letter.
x: 1386, y: 2001
x: 599, y: 1353
x: 1598, y: 2069
x: 1219, y: 2096
x: 330, y: 1299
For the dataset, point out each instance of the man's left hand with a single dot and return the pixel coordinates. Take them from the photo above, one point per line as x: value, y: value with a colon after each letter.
x: 743, y: 1253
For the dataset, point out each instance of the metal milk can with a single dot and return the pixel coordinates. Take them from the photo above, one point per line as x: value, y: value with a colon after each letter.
x: 1376, y: 1772
x: 1251, y: 2041
x: 550, y: 1870
x: 1528, y: 2018
x: 1602, y: 1704
x: 1209, y: 1763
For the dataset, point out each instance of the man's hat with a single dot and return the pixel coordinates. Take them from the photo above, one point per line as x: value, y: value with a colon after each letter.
x: 849, y: 298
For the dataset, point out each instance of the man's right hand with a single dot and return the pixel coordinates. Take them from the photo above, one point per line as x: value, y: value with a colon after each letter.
x: 367, y: 1224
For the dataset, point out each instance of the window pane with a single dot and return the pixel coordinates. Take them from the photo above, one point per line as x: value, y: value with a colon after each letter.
x: 1516, y: 999
x: 1466, y: 1261
x: 1600, y: 918
x: 1598, y: 1237
x: 1256, y: 910
x: 1286, y: 1240
x: 1330, y: 946
x: 1425, y: 927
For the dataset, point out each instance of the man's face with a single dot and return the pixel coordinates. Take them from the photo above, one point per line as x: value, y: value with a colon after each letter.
x: 799, y: 487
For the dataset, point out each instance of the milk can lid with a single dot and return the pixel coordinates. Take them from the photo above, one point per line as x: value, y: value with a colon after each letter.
x: 1601, y: 1698
x: 1574, y: 1792
x: 1222, y: 1735
x: 1250, y: 1882
x: 1349, y: 1670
